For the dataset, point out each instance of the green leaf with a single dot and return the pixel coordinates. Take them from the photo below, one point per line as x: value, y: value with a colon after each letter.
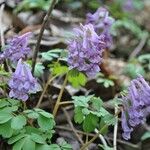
x: 4, y: 117
x: 59, y: 69
x: 50, y: 55
x: 39, y: 69
x: 19, y: 144
x: 37, y: 138
x: 16, y: 138
x: 78, y: 79
x: 48, y: 147
x: 81, y: 101
x: 133, y: 70
x: 18, y: 122
x: 45, y: 123
x: 78, y: 117
x: 5, y: 130
x: 145, y: 136
x: 28, y: 144
x: 90, y: 123
x: 96, y: 103
x: 46, y: 114
x: 64, y: 145
x: 109, y: 119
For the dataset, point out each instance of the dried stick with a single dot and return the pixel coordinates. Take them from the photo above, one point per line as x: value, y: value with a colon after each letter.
x: 94, y: 138
x: 71, y: 125
x: 50, y: 79
x: 139, y: 47
x: 52, y: 4
x: 1, y: 28
x: 60, y: 96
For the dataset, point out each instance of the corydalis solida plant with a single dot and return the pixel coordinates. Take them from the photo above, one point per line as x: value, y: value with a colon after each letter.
x: 102, y: 23
x: 16, y: 48
x: 22, y: 82
x: 85, y: 50
x: 136, y: 105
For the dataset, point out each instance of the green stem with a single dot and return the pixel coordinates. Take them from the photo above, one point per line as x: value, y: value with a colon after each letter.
x: 60, y: 96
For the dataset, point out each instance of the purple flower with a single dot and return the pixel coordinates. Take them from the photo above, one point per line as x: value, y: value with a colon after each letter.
x: 137, y: 102
x: 16, y: 48
x: 126, y: 130
x: 85, y: 50
x: 102, y: 23
x: 22, y: 82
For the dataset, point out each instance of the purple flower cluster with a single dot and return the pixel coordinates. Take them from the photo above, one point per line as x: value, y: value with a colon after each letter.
x: 22, y: 82
x: 102, y: 23
x: 136, y: 105
x: 90, y: 40
x: 85, y: 50
x: 16, y: 48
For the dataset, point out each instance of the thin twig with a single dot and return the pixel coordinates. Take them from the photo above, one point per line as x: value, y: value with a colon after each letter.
x: 60, y: 96
x: 78, y: 131
x: 71, y: 125
x: 115, y: 130
x: 137, y: 146
x: 66, y: 102
x: 140, y: 46
x: 52, y: 4
x: 94, y: 138
x: 1, y: 27
x: 50, y: 79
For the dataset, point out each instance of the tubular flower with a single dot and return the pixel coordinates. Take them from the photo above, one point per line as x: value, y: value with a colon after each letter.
x: 85, y: 50
x: 102, y: 23
x: 16, y: 48
x: 136, y: 104
x: 22, y: 82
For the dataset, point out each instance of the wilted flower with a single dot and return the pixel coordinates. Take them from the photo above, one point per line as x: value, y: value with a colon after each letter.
x: 136, y: 104
x: 85, y: 50
x: 102, y: 23
x: 22, y: 82
x: 16, y: 48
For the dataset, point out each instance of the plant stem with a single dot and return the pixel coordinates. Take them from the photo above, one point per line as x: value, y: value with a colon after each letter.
x: 115, y: 130
x: 102, y: 139
x: 66, y: 102
x: 94, y: 138
x: 52, y: 4
x: 50, y: 79
x: 1, y: 28
x: 60, y: 96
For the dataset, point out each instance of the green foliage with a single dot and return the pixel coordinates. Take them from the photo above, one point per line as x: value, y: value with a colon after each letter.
x: 145, y: 60
x: 39, y: 69
x: 107, y: 82
x: 145, y: 136
x: 59, y: 69
x: 76, y: 78
x: 89, y: 112
x: 133, y: 70
x: 129, y: 25
x: 17, y: 126
x: 51, y: 54
x: 33, y: 4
